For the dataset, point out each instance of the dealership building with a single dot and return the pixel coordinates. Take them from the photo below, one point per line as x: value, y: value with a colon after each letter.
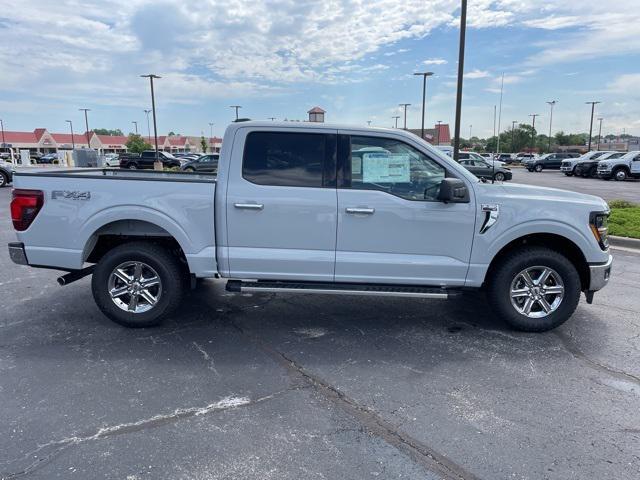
x: 42, y: 141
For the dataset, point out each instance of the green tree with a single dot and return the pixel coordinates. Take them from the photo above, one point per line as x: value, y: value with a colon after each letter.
x: 203, y: 144
x: 106, y: 131
x: 136, y: 144
x: 172, y: 134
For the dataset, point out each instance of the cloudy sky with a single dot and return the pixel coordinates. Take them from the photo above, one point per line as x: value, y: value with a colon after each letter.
x: 278, y: 58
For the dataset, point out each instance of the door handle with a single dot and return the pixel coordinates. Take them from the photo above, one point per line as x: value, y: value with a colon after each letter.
x: 249, y: 206
x: 360, y: 211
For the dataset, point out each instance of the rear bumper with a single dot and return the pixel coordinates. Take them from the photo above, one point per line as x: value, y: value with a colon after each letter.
x: 17, y: 253
x: 600, y: 274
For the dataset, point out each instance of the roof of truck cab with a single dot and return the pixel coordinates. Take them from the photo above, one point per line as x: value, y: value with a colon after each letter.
x: 316, y: 126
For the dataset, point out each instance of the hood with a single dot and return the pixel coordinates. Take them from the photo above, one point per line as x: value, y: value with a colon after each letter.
x: 519, y: 191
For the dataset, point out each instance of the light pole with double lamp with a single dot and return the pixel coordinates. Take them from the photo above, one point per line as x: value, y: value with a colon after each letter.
x: 424, y: 97
x: 593, y: 107
x: 211, y: 136
x: 551, y: 105
x: 157, y: 165
x: 86, y: 123
x: 73, y: 142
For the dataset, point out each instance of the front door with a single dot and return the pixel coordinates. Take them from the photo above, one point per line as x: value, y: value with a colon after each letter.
x: 391, y: 227
x: 635, y: 166
x: 281, y: 205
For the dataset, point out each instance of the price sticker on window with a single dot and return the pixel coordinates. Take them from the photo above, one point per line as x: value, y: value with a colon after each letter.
x: 384, y: 167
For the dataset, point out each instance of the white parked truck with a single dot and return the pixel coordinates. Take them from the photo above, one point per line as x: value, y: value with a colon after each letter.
x: 309, y: 208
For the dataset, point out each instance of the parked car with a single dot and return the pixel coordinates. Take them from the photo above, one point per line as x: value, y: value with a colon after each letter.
x: 49, y: 158
x: 148, y: 158
x: 504, y: 157
x: 6, y: 174
x: 377, y: 212
x: 620, y: 167
x: 522, y: 156
x: 568, y: 166
x: 589, y: 168
x: 112, y: 160
x: 548, y: 161
x: 477, y: 156
x: 204, y: 163
x: 482, y: 169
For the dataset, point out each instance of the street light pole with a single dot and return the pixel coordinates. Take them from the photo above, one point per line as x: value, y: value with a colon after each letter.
x: 86, y: 123
x: 396, y: 119
x: 438, y: 133
x: 593, y: 107
x: 136, y: 125
x: 236, y: 107
x: 470, y: 126
x: 599, y: 133
x: 73, y: 142
x: 533, y: 131
x: 513, y: 126
x: 494, y: 126
x: 463, y: 31
x: 424, y: 97
x: 151, y: 76
x: 2, y: 127
x: 551, y: 105
x: 147, y: 112
x: 405, y: 105
x: 211, y: 136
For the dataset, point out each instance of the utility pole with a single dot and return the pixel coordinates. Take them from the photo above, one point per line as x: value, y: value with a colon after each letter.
x: 593, y: 107
x: 237, y: 107
x: 396, y: 118
x: 73, y: 142
x: 424, y: 97
x: 500, y: 113
x: 2, y: 127
x: 494, y: 126
x: 551, y: 105
x: 157, y: 164
x: 533, y: 132
x: 463, y: 30
x: 86, y: 123
x: 438, y: 133
x: 599, y: 133
x: 136, y: 125
x: 147, y: 112
x: 470, y: 126
x: 211, y: 136
x: 405, y: 105
x: 513, y: 126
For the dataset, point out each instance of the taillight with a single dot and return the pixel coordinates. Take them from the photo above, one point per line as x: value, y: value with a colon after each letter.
x: 25, y: 205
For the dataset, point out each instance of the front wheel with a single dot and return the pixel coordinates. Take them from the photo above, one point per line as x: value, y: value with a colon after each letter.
x: 499, y: 177
x: 534, y: 289
x: 3, y: 179
x: 538, y: 168
x: 620, y: 175
x: 137, y: 284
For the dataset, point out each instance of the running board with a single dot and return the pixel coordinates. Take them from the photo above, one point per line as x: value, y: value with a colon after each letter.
x: 340, y: 289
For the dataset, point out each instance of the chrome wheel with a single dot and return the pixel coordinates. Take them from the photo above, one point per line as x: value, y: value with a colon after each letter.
x: 537, y: 291
x: 134, y: 287
x: 621, y: 175
x: 499, y: 177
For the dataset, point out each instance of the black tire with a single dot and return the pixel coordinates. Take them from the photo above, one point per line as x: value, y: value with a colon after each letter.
x: 538, y: 168
x: 132, y: 166
x: 4, y: 180
x: 569, y: 174
x: 499, y: 177
x: 502, y: 276
x: 190, y: 169
x: 593, y: 173
x: 620, y: 174
x: 159, y: 259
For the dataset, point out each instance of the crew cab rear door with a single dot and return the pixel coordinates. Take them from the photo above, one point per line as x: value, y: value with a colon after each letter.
x: 281, y: 204
x: 635, y: 166
x: 391, y: 227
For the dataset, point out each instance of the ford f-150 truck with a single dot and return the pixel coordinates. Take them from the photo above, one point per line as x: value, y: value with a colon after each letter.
x: 320, y: 209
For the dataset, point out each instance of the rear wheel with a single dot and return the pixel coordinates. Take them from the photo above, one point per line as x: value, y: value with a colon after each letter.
x: 535, y: 289
x: 138, y: 284
x: 538, y: 168
x: 3, y: 179
x: 499, y: 177
x: 132, y: 166
x: 620, y: 174
x: 190, y: 169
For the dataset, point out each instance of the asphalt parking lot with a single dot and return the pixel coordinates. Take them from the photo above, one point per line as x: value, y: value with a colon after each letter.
x: 609, y: 190
x: 290, y: 387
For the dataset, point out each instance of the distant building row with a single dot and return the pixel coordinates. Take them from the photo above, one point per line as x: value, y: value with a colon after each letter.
x: 41, y: 140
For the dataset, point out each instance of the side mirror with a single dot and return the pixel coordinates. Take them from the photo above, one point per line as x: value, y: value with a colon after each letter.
x: 453, y: 190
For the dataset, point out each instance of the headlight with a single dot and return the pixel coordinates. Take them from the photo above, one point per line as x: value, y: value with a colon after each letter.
x: 599, y: 224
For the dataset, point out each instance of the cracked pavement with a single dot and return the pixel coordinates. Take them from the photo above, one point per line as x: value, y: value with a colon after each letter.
x: 289, y: 387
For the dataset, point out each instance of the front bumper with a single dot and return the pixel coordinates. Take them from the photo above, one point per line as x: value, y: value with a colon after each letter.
x: 17, y: 253
x: 599, y: 275
x: 605, y: 173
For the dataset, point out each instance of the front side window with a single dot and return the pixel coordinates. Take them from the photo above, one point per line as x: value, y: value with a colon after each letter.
x: 285, y: 159
x: 394, y: 167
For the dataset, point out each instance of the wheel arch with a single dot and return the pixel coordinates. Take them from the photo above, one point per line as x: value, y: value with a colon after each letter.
x: 553, y: 241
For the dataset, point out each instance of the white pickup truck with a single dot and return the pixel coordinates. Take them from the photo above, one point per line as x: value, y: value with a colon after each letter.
x: 314, y: 208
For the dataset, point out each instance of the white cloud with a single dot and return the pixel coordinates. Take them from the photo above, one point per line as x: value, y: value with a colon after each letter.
x: 473, y: 74
x: 435, y: 61
x: 626, y: 84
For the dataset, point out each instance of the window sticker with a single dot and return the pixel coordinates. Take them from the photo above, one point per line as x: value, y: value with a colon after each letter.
x: 383, y: 167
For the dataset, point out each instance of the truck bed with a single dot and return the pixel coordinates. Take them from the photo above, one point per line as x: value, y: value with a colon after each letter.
x: 82, y: 204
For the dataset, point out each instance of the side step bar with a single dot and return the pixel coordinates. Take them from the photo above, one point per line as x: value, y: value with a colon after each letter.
x: 412, y: 291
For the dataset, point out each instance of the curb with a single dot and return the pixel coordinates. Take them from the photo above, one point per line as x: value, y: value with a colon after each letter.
x: 625, y: 242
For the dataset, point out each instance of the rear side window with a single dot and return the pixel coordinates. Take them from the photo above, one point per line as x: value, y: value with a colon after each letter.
x: 286, y: 159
